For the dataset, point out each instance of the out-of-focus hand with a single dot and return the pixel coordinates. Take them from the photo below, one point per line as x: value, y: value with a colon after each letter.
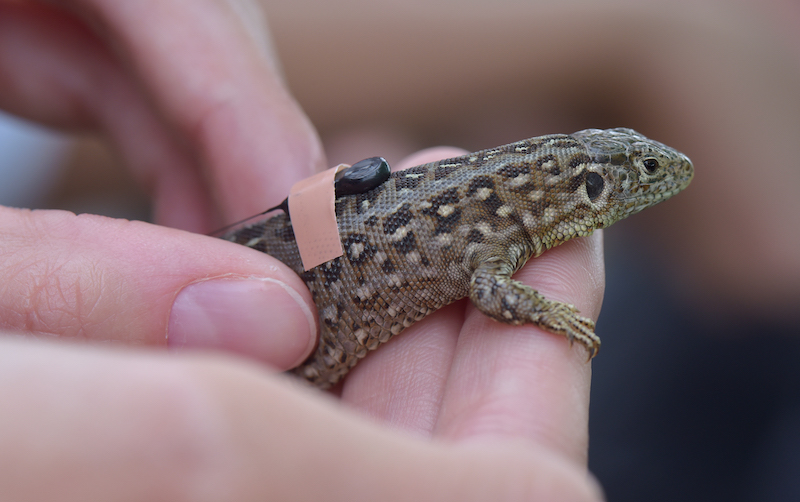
x: 187, y: 91
x: 89, y: 424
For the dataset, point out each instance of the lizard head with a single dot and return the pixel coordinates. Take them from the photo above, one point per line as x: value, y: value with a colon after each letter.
x: 630, y: 172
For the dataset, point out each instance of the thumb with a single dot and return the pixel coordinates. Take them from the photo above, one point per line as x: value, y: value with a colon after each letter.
x: 297, y: 446
x: 96, y: 278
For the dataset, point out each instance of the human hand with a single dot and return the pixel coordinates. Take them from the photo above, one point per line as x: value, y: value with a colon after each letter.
x: 188, y: 93
x: 99, y: 279
x: 97, y: 424
x: 507, y: 406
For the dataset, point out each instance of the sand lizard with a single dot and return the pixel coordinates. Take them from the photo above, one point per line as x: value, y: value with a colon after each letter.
x: 432, y: 234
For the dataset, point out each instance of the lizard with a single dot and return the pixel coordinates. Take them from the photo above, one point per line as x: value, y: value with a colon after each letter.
x: 435, y: 233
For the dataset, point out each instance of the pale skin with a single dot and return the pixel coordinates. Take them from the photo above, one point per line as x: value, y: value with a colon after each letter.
x: 459, y: 407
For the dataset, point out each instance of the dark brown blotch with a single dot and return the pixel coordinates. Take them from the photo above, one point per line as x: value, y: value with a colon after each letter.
x: 285, y: 233
x: 528, y: 145
x: 331, y: 271
x: 576, y: 182
x: 402, y: 287
x: 340, y: 205
x: 553, y: 168
x: 507, y: 307
x: 493, y: 202
x: 475, y: 235
x: 446, y: 224
x: 537, y: 208
x: 566, y: 142
x: 406, y: 244
x: 309, y: 276
x: 399, y: 218
x: 366, y: 253
x: 515, y: 169
x: 369, y: 196
x: 339, y: 310
x: 246, y: 234
x: 578, y: 159
x: 525, y: 188
x: 260, y: 245
x: 449, y: 196
x: 480, y: 182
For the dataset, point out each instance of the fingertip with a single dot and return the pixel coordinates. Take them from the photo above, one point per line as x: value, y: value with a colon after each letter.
x: 100, y: 279
x: 258, y: 317
x: 521, y: 381
x: 502, y: 470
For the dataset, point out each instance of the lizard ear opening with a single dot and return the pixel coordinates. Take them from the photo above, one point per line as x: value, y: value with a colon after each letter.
x: 594, y: 185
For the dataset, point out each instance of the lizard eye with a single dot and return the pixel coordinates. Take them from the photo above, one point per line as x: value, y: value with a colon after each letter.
x: 594, y: 185
x: 650, y: 165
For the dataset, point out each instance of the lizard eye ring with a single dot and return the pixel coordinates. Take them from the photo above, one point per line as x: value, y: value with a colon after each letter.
x: 651, y: 165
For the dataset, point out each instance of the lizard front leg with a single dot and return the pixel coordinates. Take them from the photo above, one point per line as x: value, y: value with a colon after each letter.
x: 497, y: 295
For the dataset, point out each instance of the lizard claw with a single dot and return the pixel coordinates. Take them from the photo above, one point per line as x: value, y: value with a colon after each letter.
x: 562, y: 318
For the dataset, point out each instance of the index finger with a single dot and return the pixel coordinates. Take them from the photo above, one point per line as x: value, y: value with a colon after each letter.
x: 522, y: 382
x: 211, y: 72
x: 466, y: 376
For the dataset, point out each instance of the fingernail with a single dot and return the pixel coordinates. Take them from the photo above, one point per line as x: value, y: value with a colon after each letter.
x: 260, y: 318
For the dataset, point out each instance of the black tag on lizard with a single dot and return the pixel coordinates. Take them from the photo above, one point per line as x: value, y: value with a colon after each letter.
x: 362, y: 176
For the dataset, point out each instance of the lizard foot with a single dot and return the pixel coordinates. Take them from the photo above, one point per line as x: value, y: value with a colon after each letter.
x: 563, y: 319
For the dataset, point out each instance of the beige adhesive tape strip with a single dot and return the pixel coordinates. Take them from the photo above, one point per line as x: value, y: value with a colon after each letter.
x: 313, y: 213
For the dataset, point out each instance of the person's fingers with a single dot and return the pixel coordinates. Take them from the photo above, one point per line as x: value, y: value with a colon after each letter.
x: 514, y: 381
x: 401, y: 384
x: 178, y: 429
x: 223, y: 94
x: 478, y: 378
x: 96, y: 278
x: 341, y: 456
x: 520, y: 381
x: 54, y: 70
x: 190, y: 96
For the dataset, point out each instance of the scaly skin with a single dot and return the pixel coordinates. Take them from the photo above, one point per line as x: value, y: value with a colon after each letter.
x: 435, y: 233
